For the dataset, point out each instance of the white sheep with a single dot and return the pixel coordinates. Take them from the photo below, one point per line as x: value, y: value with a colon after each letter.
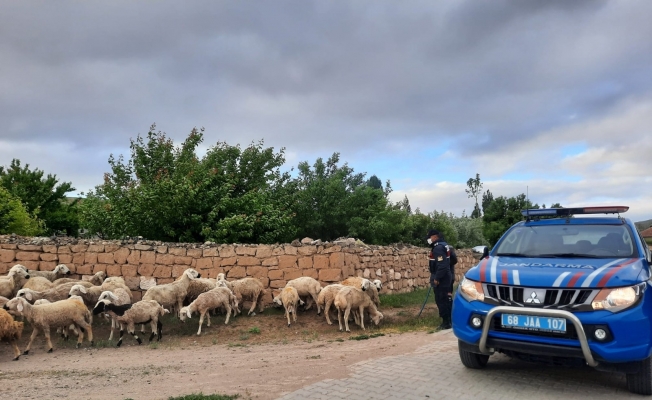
x: 327, y: 297
x: 356, y: 281
x: 96, y: 279
x: 13, y: 281
x: 59, y: 271
x: 118, y: 297
x: 199, y: 286
x: 307, y: 287
x: 131, y: 314
x: 353, y: 298
x: 378, y: 284
x: 89, y: 295
x: 38, y: 283
x: 57, y: 293
x: 115, y: 282
x: 289, y: 299
x: 218, y: 297
x: 172, y: 294
x: 54, y: 315
x: 10, y: 331
x: 246, y: 288
x: 63, y: 331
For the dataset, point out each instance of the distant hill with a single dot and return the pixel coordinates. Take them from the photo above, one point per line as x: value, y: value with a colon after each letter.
x: 643, y: 225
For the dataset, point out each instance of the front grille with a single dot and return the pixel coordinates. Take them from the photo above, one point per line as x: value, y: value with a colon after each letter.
x: 568, y: 299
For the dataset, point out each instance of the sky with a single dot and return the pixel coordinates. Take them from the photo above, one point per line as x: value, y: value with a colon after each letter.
x: 552, y: 98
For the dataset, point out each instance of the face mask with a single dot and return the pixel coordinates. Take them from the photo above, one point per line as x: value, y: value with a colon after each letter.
x: 429, y: 241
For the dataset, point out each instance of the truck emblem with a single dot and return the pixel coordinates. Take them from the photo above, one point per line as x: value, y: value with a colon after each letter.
x: 533, y: 298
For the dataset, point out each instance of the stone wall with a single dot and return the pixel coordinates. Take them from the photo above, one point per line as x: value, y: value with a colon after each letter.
x: 144, y: 263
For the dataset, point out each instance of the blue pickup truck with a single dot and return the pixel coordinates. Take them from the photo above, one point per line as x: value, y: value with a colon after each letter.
x: 565, y: 287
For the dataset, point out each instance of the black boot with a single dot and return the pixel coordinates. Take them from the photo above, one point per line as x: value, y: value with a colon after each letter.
x: 445, y: 323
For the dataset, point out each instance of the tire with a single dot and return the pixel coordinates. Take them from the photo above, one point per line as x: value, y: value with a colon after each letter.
x: 473, y: 360
x: 641, y: 382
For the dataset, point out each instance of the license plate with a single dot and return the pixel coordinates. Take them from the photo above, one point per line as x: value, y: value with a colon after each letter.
x: 533, y: 323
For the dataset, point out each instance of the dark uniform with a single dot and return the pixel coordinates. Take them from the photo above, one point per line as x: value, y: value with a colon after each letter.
x: 440, y: 271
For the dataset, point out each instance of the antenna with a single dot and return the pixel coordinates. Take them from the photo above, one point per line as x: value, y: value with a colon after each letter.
x: 527, y: 202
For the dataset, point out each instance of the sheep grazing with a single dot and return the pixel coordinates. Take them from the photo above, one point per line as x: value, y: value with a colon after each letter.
x: 327, y: 297
x: 250, y: 289
x: 118, y: 297
x: 353, y: 298
x: 289, y: 299
x: 59, y: 314
x: 172, y: 294
x: 57, y: 293
x: 10, y: 331
x: 218, y: 297
x: 309, y: 288
x: 13, y: 281
x: 60, y: 271
x: 131, y: 314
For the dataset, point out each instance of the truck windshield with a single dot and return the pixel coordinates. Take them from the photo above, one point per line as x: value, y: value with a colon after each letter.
x: 599, y: 241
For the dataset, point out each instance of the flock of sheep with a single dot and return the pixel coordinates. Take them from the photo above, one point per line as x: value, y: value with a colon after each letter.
x: 49, y: 300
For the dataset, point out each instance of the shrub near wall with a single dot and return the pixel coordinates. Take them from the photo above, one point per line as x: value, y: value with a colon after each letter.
x: 144, y: 264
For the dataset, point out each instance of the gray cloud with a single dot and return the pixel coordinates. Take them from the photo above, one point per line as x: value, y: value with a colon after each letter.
x: 373, y: 80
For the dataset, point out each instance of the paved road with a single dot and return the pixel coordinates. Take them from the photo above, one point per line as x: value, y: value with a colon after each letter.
x: 434, y: 371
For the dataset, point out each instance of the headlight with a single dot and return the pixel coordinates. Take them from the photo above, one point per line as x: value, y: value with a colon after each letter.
x: 471, y: 290
x: 617, y: 299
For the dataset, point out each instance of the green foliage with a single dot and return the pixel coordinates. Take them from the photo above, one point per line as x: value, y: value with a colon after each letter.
x: 42, y: 196
x: 169, y: 193
x: 501, y: 213
x: 14, y: 217
x: 469, y: 232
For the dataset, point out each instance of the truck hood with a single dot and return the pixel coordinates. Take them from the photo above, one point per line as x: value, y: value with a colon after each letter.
x: 559, y: 272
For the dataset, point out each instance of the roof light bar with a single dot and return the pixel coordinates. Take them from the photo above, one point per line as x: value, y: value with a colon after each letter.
x: 537, y: 212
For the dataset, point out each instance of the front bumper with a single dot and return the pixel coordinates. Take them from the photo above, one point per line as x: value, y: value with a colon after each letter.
x: 631, y: 332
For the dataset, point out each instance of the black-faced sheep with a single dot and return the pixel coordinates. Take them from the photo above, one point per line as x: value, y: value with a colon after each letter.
x: 131, y: 314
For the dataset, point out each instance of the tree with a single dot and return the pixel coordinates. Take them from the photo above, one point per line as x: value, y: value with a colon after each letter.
x: 474, y: 190
x: 501, y: 213
x: 42, y: 196
x: 374, y: 182
x: 167, y: 192
x: 14, y: 217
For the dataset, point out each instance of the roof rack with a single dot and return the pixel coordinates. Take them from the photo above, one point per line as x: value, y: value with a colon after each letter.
x: 539, y: 212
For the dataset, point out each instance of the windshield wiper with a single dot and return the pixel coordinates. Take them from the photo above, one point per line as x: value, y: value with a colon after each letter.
x: 513, y: 255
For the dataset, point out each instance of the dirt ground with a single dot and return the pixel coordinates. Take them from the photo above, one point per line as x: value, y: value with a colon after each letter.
x: 257, y: 357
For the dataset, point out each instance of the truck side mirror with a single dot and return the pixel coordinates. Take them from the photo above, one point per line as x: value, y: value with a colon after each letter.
x: 480, y: 252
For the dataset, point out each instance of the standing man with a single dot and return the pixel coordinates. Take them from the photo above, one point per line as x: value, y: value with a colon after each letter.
x: 440, y: 276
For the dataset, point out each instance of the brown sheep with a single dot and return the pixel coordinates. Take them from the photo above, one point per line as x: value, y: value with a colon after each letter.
x: 10, y: 331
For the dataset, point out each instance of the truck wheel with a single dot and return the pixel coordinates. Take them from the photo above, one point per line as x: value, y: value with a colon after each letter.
x: 473, y: 360
x: 641, y: 382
